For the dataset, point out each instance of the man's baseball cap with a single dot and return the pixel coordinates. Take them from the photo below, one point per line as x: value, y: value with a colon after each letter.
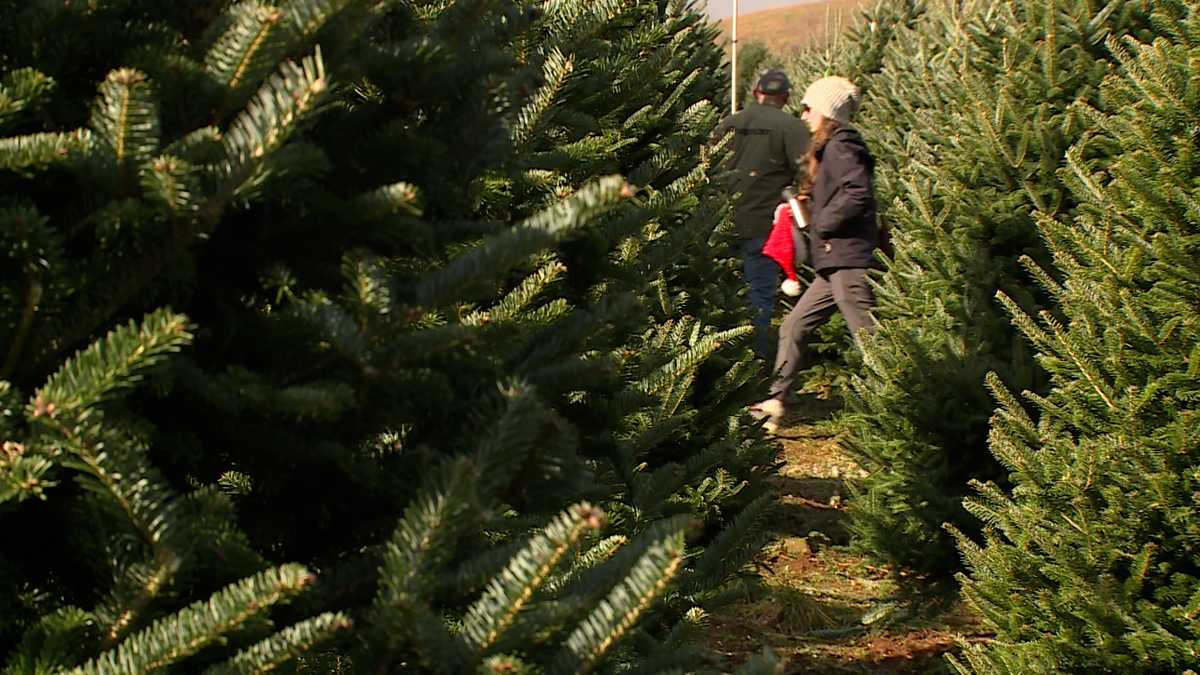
x: 774, y: 82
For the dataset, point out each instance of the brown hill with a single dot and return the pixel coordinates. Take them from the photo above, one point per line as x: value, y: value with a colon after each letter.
x: 789, y: 28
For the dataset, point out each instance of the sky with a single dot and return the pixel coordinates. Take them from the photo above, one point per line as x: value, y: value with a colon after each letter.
x: 720, y: 9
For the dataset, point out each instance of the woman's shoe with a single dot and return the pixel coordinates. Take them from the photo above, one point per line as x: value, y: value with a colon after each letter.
x: 770, y: 412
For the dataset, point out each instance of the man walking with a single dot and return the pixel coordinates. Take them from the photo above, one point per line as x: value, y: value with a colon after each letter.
x: 769, y: 148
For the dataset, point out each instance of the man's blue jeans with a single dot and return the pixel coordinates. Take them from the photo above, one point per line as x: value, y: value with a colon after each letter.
x: 762, y: 276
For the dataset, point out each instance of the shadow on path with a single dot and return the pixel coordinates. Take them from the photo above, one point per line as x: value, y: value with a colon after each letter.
x: 813, y: 601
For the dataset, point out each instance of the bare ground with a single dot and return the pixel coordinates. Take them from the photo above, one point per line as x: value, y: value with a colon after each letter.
x: 816, y: 604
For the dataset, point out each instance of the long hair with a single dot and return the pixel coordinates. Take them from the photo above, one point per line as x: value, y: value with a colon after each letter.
x: 816, y: 149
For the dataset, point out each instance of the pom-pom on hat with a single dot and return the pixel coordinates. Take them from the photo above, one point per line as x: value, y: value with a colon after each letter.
x: 774, y: 82
x: 834, y: 97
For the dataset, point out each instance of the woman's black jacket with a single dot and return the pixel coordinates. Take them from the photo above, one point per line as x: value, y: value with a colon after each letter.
x: 843, y: 223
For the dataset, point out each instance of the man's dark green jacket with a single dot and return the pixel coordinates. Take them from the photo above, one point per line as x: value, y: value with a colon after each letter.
x: 769, y: 146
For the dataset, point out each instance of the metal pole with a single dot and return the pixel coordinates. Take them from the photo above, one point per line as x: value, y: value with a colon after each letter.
x: 733, y: 101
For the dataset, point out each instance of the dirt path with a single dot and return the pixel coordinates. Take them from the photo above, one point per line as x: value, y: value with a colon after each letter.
x: 817, y: 605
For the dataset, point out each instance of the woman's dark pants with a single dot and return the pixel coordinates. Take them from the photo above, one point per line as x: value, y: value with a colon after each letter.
x: 844, y: 289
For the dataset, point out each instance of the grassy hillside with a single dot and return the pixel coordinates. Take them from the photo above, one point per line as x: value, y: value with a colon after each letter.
x: 788, y: 28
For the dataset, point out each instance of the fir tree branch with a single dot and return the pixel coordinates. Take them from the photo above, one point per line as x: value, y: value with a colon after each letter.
x: 390, y: 199
x: 56, y: 642
x: 590, y: 153
x: 171, y: 183
x: 1064, y: 344
x: 368, y: 292
x: 554, y: 73
x: 173, y: 638
x: 417, y: 545
x: 283, y: 646
x: 525, y: 430
x: 733, y: 547
x: 109, y: 365
x: 510, y: 308
x: 37, y: 151
x: 258, y: 35
x: 500, y: 252
x: 260, y: 130
x: 571, y: 22
x: 1011, y: 409
x: 248, y: 49
x: 166, y: 564
x: 547, y: 350
x: 666, y: 106
x: 508, y: 593
x: 687, y: 361
x: 508, y: 664
x: 269, y: 120
x: 678, y: 189
x: 64, y: 410
x: 602, y: 551
x: 125, y: 121
x: 306, y: 17
x: 198, y: 146
x: 619, y: 611
x: 697, y: 119
x: 19, y: 90
x: 22, y: 474
x: 412, y: 559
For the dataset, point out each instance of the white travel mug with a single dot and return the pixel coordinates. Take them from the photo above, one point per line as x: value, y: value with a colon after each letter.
x: 789, y: 193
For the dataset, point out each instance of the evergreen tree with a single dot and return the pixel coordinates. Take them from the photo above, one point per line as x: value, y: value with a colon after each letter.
x: 970, y: 108
x: 419, y: 324
x: 1090, y: 563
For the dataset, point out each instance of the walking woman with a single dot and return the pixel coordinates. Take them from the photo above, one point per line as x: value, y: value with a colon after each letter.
x: 843, y: 234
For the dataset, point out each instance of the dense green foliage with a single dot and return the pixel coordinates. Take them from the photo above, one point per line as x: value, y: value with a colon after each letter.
x: 1092, y: 562
x: 1038, y: 168
x: 380, y: 321
x: 969, y: 108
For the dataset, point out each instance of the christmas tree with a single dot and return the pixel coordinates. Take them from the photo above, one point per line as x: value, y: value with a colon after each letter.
x: 1090, y: 562
x: 367, y: 336
x: 969, y: 108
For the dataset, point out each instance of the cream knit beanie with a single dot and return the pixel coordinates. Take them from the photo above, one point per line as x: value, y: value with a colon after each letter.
x: 834, y: 97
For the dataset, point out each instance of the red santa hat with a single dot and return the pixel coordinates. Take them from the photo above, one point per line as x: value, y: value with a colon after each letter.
x: 781, y: 249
